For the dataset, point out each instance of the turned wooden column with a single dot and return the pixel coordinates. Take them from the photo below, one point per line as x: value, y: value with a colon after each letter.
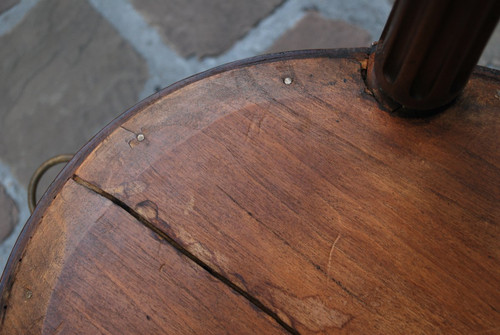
x: 428, y: 50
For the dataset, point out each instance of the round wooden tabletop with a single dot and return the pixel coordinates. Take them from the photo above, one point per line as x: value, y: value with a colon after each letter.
x: 270, y: 196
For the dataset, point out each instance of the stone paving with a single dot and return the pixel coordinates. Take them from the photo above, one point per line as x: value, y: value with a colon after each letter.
x: 68, y: 67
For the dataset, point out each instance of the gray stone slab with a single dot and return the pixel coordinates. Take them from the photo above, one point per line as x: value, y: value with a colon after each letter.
x: 9, y: 214
x: 65, y: 74
x: 491, y: 54
x: 7, y: 4
x: 16, y: 193
x: 204, y: 27
x: 316, y: 32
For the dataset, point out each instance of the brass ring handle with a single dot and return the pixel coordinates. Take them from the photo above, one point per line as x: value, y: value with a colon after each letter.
x: 37, y: 175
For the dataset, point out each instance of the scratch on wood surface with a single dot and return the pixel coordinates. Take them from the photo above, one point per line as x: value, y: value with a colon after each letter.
x: 255, y: 126
x: 132, y: 142
x: 330, y: 259
x: 310, y: 311
x: 59, y: 328
x: 190, y: 206
x: 128, y: 130
x: 249, y: 128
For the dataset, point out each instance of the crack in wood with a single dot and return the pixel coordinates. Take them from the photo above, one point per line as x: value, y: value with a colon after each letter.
x: 186, y: 253
x: 327, y: 273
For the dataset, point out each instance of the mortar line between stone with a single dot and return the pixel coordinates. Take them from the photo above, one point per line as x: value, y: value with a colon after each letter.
x: 18, y: 194
x: 259, y: 38
x: 165, y: 65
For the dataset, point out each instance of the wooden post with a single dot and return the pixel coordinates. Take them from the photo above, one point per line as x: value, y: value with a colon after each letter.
x: 428, y: 50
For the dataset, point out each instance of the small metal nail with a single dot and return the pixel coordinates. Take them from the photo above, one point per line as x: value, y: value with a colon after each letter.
x: 140, y: 137
x: 287, y: 80
x: 28, y: 294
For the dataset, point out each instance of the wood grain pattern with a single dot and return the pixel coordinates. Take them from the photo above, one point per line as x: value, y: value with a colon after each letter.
x: 335, y: 216
x: 104, y: 272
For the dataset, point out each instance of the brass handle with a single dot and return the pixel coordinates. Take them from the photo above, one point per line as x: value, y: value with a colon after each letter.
x: 37, y: 175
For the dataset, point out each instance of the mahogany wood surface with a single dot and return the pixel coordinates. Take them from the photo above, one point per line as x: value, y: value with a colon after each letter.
x: 95, y: 269
x: 252, y: 206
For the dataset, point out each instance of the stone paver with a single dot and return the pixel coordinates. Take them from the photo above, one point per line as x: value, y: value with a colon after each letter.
x: 491, y: 54
x: 204, y: 28
x: 7, y: 4
x: 316, y: 32
x: 9, y: 214
x: 65, y: 74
